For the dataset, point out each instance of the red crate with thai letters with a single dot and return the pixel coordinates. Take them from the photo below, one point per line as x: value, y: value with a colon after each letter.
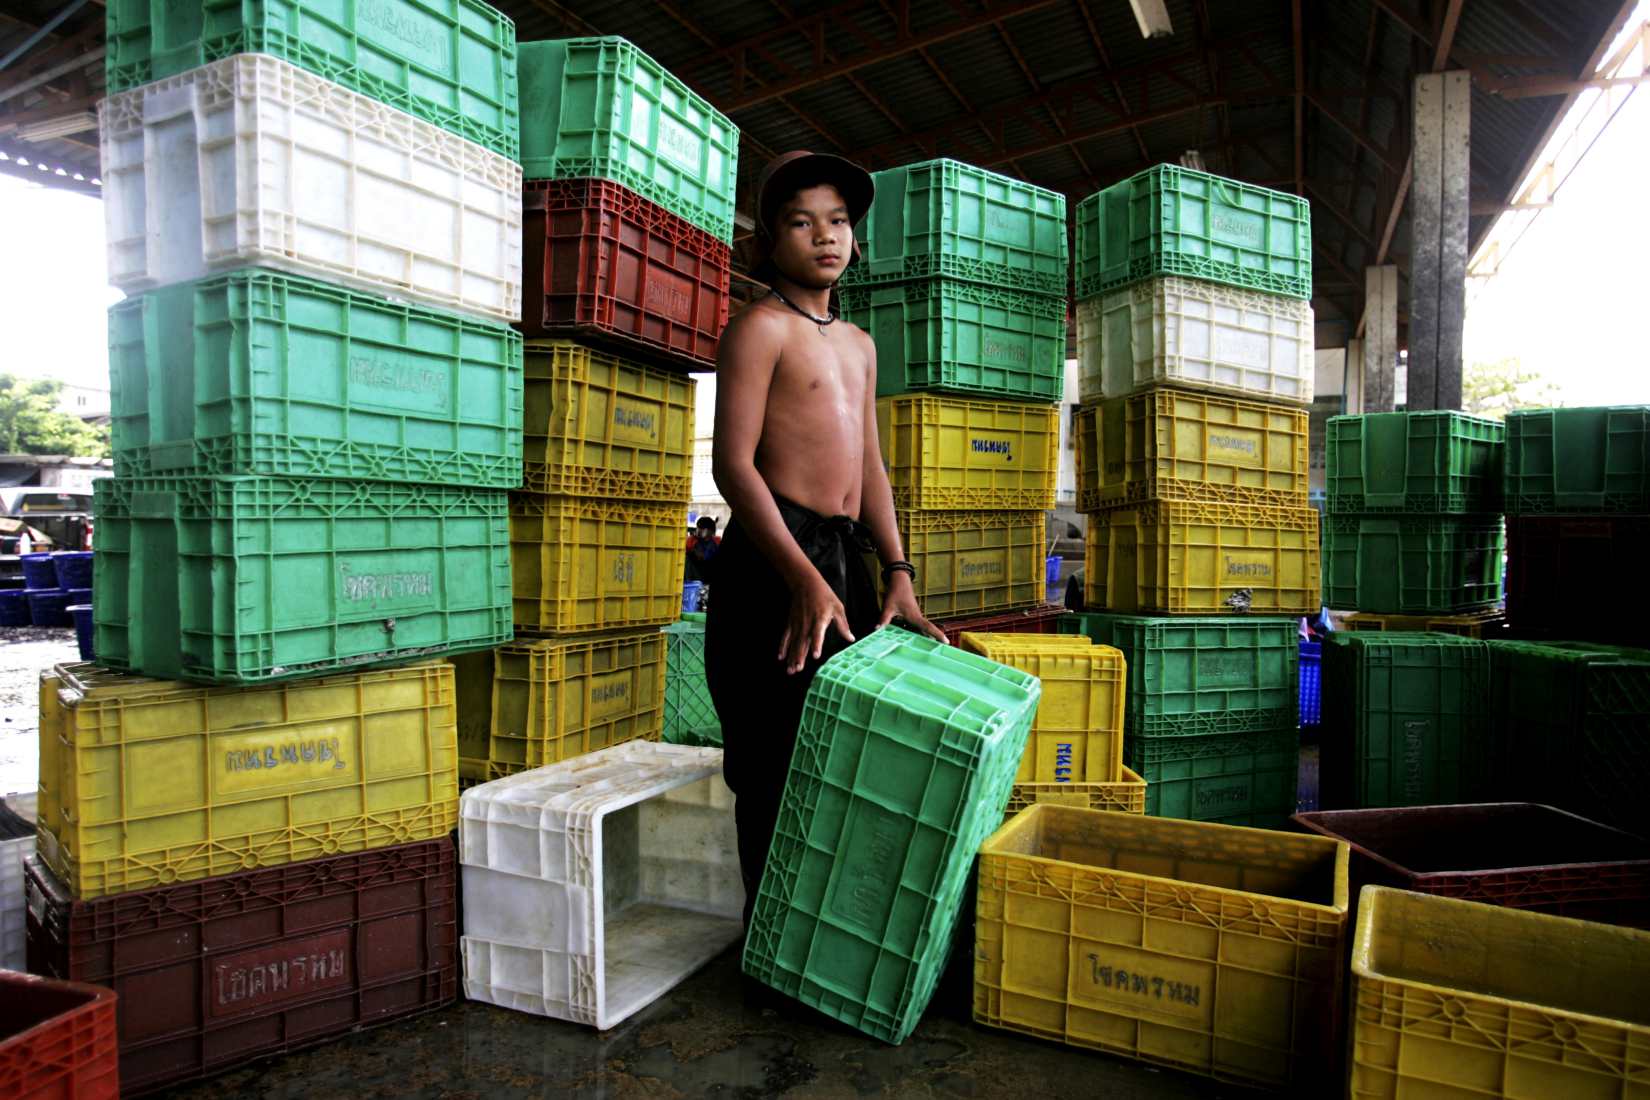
x: 216, y: 972
x: 1033, y: 620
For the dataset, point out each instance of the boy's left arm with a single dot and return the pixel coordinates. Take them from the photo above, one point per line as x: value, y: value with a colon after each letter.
x: 877, y: 513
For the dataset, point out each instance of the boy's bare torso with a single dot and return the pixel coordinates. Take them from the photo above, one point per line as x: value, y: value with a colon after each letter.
x: 812, y: 449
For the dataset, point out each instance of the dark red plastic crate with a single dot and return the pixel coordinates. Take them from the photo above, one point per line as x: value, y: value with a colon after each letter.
x: 1579, y: 578
x: 1515, y: 854
x: 1034, y: 620
x: 603, y: 262
x: 216, y: 972
x: 57, y: 1040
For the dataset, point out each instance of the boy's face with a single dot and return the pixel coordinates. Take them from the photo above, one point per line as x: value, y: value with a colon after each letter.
x: 813, y: 239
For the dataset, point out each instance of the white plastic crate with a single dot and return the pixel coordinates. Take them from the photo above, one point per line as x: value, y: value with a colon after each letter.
x: 1194, y: 333
x: 13, y: 908
x: 593, y: 886
x: 252, y: 160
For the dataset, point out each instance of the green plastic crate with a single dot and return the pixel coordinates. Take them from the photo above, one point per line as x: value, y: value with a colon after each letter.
x: 1405, y: 718
x: 601, y: 107
x: 1169, y: 220
x: 1230, y: 778
x: 257, y: 372
x: 904, y: 761
x: 239, y: 580
x: 1426, y: 564
x: 943, y: 218
x: 1413, y: 462
x: 449, y: 62
x: 1578, y: 461
x: 958, y: 337
x: 690, y: 714
x: 1201, y: 674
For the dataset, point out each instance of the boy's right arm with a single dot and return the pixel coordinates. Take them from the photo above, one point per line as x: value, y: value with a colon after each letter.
x: 746, y: 357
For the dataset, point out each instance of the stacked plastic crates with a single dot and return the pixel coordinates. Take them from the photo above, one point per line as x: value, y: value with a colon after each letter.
x: 316, y: 407
x: 961, y: 285
x: 1195, y: 344
x: 627, y: 214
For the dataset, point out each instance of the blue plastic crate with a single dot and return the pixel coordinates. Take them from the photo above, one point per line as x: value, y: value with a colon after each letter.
x: 1311, y: 681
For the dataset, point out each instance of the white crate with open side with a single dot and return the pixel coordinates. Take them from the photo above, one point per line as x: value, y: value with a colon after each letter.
x: 13, y: 908
x: 593, y: 886
x: 252, y: 160
x: 1195, y: 333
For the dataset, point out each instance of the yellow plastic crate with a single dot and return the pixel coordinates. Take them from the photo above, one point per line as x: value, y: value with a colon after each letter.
x: 159, y: 781
x: 1205, y: 947
x: 1220, y: 559
x: 1126, y: 796
x: 969, y: 562
x: 580, y: 564
x: 1455, y: 998
x: 473, y: 710
x: 601, y: 427
x: 950, y: 453
x: 1167, y: 444
x: 555, y: 698
x: 1077, y: 735
x: 1479, y: 624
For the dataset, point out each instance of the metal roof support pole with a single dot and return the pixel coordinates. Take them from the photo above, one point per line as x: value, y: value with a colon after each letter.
x: 1380, y: 342
x: 28, y: 43
x: 1439, y: 206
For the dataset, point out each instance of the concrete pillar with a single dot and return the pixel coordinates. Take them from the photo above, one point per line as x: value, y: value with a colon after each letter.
x: 1380, y: 343
x: 1438, y: 208
x: 1352, y: 395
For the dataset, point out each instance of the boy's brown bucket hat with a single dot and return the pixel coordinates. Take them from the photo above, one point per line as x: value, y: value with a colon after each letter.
x: 781, y: 178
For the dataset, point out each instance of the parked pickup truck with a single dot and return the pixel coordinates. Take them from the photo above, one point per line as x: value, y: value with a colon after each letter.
x: 53, y: 518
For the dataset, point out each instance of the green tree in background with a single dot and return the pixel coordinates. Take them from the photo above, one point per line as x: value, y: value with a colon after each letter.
x: 1495, y: 389
x: 30, y: 423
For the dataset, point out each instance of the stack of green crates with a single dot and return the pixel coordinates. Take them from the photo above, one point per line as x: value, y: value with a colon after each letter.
x: 1209, y: 718
x: 1413, y: 524
x: 690, y: 713
x: 961, y: 284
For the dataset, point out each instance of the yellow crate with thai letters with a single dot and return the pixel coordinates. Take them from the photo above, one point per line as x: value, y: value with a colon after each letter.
x: 159, y: 781
x: 580, y: 565
x: 953, y: 453
x: 971, y: 562
x: 1168, y: 444
x: 557, y: 698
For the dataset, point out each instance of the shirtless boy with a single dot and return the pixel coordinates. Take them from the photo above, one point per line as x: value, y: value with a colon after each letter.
x: 796, y: 457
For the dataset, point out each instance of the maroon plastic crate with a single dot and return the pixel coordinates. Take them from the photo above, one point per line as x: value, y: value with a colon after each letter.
x: 57, y: 1040
x: 1579, y: 578
x: 217, y: 972
x: 1033, y: 620
x: 603, y: 262
x: 1520, y: 855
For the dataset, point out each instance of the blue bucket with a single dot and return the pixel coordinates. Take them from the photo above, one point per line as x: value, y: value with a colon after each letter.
x: 78, y: 595
x: 1053, y: 568
x: 47, y: 608
x: 82, y: 615
x: 74, y: 569
x: 690, y: 596
x: 39, y: 574
x: 14, y: 607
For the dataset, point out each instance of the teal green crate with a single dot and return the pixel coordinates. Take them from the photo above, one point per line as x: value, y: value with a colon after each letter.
x: 1423, y: 564
x: 600, y: 107
x: 1578, y: 461
x: 1405, y: 720
x: 965, y: 338
x: 256, y: 372
x: 1443, y: 462
x: 1572, y: 728
x: 943, y: 218
x: 690, y: 714
x: 904, y: 761
x: 1170, y: 220
x: 1229, y: 778
x: 1191, y: 674
x: 449, y: 62
x: 240, y: 580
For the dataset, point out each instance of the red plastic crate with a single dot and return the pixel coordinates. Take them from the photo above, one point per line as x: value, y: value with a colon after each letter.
x: 1515, y: 854
x: 1033, y: 620
x: 601, y: 261
x: 1579, y: 578
x: 228, y: 969
x: 57, y: 1040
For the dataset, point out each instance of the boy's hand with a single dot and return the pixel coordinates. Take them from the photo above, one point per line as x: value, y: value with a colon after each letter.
x: 901, y: 602
x: 814, y: 610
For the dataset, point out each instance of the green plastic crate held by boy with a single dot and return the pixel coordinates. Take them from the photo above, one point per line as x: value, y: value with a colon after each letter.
x: 796, y: 456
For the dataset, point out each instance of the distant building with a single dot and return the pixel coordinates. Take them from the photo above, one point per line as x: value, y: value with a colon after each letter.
x: 66, y: 472
x: 86, y: 402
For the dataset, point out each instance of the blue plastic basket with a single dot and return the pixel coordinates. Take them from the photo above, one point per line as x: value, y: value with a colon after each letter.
x: 690, y: 596
x: 46, y: 607
x: 14, y: 607
x: 82, y: 615
x: 1053, y: 567
x: 74, y: 569
x: 39, y: 574
x: 1311, y: 683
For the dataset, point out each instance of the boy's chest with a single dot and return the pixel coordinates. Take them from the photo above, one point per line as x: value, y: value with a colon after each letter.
x: 827, y: 370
